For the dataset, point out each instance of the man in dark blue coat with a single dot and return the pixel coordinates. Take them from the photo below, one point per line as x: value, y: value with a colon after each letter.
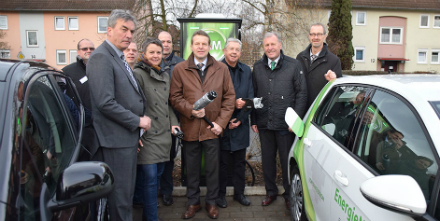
x: 235, y: 138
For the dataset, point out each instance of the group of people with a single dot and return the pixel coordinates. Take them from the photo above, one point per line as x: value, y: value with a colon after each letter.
x: 137, y: 105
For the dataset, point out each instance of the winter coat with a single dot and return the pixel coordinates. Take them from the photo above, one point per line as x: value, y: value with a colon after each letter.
x: 315, y: 72
x: 280, y: 88
x: 157, y: 140
x: 238, y: 138
x: 174, y: 60
x: 187, y: 88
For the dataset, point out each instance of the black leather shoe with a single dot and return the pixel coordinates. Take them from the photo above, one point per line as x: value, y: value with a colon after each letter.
x: 221, y: 202
x: 167, y: 200
x: 241, y: 198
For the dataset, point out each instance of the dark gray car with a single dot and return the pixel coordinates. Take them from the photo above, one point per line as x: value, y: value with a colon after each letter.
x: 41, y: 118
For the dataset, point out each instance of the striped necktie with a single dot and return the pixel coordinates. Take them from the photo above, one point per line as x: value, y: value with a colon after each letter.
x: 129, y: 71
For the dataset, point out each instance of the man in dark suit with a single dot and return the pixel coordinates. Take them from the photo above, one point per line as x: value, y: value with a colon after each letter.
x: 319, y: 64
x: 235, y: 138
x: 118, y: 110
x: 77, y: 71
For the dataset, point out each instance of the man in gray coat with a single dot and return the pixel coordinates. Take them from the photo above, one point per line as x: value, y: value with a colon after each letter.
x: 118, y: 110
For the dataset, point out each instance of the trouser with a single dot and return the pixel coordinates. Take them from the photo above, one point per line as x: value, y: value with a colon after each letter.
x: 166, y: 180
x: 271, y: 141
x: 238, y: 171
x: 122, y: 162
x: 151, y: 175
x: 193, y: 159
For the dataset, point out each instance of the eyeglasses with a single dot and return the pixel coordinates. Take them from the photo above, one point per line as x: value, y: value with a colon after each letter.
x: 316, y: 34
x: 85, y: 49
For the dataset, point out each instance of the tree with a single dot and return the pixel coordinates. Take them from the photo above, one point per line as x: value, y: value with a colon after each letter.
x: 154, y: 16
x: 340, y: 33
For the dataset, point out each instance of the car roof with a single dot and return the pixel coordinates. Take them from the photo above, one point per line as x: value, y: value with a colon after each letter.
x: 424, y: 86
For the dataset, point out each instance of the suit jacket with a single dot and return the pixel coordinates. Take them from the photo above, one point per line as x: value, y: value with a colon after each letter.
x: 117, y: 103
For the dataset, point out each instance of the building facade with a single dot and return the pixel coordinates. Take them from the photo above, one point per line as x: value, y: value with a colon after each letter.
x: 49, y: 31
x: 396, y: 36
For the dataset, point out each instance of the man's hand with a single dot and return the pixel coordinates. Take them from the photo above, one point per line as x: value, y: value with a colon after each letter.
x: 217, y: 130
x: 290, y: 130
x: 239, y: 103
x: 172, y: 129
x: 145, y: 123
x: 330, y: 75
x: 198, y: 114
x: 233, y: 125
x: 255, y: 128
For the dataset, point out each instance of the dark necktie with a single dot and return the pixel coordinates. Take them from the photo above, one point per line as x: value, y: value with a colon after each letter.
x: 200, y: 65
x: 129, y: 71
x: 313, y: 58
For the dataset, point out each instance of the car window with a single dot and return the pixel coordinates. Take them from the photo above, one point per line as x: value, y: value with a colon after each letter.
x: 337, y: 113
x: 392, y: 141
x: 47, y: 139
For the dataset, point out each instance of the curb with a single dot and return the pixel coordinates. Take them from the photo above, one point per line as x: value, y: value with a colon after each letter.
x: 248, y: 191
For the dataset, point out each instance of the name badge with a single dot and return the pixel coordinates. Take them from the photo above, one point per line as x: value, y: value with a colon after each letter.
x: 83, y: 79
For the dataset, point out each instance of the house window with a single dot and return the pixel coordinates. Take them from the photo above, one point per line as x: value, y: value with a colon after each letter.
x: 390, y: 35
x: 359, y: 53
x: 435, y: 56
x: 422, y: 56
x: 436, y: 23
x: 72, y: 56
x: 59, y: 23
x: 3, y: 22
x: 5, y: 54
x: 61, y: 57
x: 32, y: 39
x: 102, y: 24
x: 361, y: 18
x: 73, y: 23
x: 424, y: 21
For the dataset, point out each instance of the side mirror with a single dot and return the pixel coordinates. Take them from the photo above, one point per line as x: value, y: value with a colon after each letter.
x: 294, y: 121
x: 399, y: 193
x: 82, y: 182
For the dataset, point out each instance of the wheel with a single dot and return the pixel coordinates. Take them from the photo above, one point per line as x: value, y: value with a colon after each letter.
x: 297, y: 211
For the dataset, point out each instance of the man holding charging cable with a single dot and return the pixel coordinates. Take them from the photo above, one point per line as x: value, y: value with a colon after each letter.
x: 190, y: 80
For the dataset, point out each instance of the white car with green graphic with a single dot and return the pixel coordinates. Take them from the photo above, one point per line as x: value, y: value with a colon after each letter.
x: 367, y: 150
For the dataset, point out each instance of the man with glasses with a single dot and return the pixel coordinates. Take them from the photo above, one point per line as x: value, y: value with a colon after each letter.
x: 318, y: 63
x: 77, y: 72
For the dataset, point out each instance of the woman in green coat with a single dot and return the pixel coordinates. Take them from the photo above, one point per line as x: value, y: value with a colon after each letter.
x: 156, y: 142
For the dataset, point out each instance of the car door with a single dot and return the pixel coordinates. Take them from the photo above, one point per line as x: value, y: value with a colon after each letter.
x: 49, y: 142
x: 329, y: 130
x: 389, y: 138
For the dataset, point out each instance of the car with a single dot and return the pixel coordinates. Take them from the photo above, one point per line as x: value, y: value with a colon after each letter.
x: 42, y: 124
x: 368, y: 149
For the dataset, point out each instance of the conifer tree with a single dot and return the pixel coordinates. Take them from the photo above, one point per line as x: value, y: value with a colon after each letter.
x: 340, y: 33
